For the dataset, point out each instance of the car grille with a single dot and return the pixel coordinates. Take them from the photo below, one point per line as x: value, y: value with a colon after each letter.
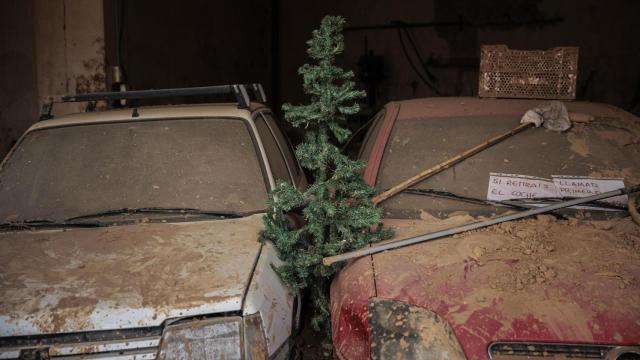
x: 516, y: 351
x: 138, y: 344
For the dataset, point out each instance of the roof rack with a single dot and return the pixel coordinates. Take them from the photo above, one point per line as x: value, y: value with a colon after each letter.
x: 238, y: 90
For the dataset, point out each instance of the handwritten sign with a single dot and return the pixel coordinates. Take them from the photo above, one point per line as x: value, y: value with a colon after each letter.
x: 513, y: 186
x: 581, y: 186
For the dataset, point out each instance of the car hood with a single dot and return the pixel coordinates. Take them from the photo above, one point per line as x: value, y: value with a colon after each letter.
x: 123, y: 276
x: 536, y: 280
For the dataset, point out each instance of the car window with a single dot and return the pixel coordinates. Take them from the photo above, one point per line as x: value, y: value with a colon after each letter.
x: 285, y: 146
x: 418, y: 144
x: 279, y: 166
x: 57, y: 173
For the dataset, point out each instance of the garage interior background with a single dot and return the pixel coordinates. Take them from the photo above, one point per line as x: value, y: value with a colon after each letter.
x: 55, y: 47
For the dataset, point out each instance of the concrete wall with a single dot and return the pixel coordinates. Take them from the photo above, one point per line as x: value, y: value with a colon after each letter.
x: 18, y: 87
x: 69, y: 43
x: 47, y: 48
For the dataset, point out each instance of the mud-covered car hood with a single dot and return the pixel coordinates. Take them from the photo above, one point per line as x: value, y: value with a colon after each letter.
x: 536, y: 280
x: 123, y: 276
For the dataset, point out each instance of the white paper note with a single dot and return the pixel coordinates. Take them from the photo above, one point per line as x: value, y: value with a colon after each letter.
x: 582, y: 186
x: 514, y: 186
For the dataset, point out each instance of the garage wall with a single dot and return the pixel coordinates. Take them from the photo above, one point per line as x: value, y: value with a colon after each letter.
x: 192, y: 43
x: 18, y: 87
x: 199, y: 42
x: 605, y: 31
x: 69, y: 48
x: 47, y: 48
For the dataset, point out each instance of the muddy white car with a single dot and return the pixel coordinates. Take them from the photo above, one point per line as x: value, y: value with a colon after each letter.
x: 133, y: 234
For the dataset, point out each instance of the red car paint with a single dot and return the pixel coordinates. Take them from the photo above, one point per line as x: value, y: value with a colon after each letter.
x: 612, y: 312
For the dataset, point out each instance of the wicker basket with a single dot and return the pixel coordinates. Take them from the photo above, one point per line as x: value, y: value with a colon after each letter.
x: 537, y: 74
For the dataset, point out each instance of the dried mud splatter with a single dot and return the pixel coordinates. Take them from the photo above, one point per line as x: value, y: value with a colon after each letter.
x: 563, y: 275
x: 59, y: 280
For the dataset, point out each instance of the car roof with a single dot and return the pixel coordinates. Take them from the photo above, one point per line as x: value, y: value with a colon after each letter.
x: 149, y: 113
x: 445, y: 107
x: 474, y: 106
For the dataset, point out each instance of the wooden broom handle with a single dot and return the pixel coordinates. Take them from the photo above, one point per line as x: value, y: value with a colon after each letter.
x: 447, y: 164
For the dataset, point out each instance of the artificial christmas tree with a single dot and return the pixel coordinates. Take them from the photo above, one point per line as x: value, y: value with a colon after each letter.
x: 337, y: 209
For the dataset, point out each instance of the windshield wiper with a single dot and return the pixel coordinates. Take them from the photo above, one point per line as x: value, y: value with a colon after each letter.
x: 160, y: 210
x: 467, y: 199
x: 46, y: 223
x: 521, y: 204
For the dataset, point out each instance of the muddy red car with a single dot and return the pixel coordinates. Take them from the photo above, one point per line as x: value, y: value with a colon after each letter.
x: 560, y: 285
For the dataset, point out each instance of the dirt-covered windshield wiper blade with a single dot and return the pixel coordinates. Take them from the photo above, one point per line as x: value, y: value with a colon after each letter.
x: 160, y: 210
x: 467, y: 199
x: 46, y: 223
x: 521, y: 204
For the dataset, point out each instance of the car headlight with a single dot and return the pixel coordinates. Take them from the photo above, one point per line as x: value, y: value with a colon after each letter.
x: 229, y: 338
x: 403, y: 331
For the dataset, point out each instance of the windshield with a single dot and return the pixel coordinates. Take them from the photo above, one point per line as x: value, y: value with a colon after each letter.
x: 602, y: 148
x: 59, y: 173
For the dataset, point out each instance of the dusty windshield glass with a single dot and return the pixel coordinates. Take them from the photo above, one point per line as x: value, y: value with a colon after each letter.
x: 595, y: 149
x: 58, y: 173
